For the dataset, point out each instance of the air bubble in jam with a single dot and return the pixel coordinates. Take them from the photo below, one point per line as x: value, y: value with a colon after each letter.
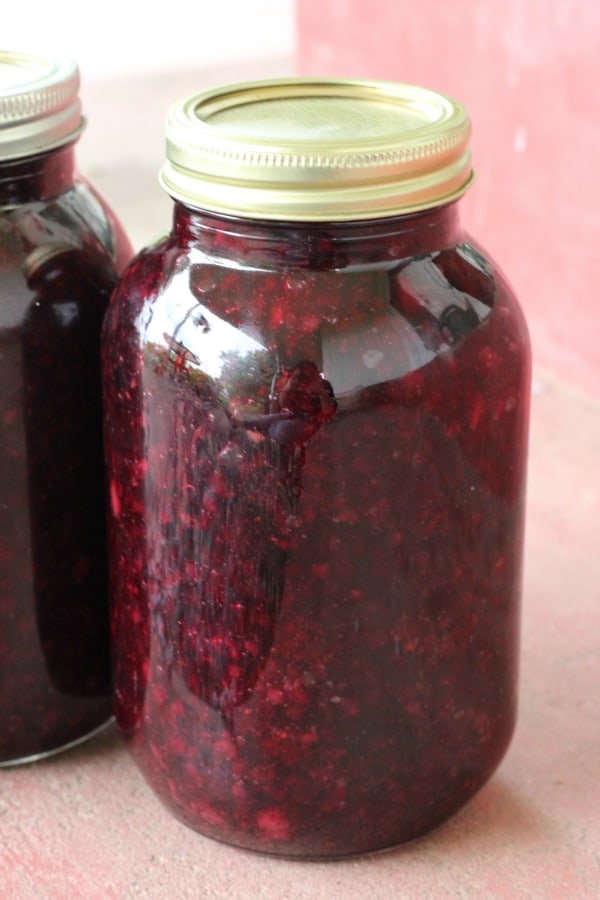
x: 315, y: 644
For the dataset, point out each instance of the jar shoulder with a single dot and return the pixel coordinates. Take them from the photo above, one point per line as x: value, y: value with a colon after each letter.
x: 69, y: 247
x: 142, y: 281
x: 505, y: 295
x: 101, y: 218
x: 78, y: 217
x: 435, y: 299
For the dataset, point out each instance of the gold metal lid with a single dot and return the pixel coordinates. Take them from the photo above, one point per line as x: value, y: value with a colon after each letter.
x: 39, y: 103
x: 309, y: 149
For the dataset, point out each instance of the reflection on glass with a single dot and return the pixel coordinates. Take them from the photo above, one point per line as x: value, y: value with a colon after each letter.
x: 224, y: 492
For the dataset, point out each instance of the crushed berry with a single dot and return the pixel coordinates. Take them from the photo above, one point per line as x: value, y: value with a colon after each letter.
x: 60, y: 251
x: 316, y: 444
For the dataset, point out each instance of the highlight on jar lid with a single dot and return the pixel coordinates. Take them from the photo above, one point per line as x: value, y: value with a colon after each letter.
x: 39, y: 103
x: 299, y: 149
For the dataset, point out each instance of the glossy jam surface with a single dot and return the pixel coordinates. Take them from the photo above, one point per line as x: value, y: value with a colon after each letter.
x: 60, y: 251
x: 316, y: 442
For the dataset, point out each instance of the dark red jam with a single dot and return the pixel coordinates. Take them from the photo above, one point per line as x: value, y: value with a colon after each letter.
x: 316, y: 441
x: 60, y: 252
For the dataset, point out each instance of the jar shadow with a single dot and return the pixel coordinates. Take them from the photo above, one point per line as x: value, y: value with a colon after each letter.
x: 496, y: 816
x: 105, y: 742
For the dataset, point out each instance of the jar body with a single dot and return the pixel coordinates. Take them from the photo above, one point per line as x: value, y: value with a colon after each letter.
x: 316, y: 444
x: 60, y: 253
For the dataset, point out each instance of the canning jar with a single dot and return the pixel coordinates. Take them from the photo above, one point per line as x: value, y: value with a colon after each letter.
x: 60, y: 252
x: 316, y: 405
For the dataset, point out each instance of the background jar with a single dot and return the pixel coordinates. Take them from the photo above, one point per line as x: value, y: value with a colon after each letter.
x: 317, y: 394
x: 61, y: 250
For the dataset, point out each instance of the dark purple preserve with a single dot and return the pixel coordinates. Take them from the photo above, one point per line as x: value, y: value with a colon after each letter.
x: 316, y: 416
x: 60, y: 252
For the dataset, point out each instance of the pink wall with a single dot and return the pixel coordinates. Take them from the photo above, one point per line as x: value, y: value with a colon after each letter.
x: 529, y: 73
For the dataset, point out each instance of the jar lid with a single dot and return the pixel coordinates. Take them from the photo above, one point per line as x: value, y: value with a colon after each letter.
x: 39, y: 103
x: 309, y: 149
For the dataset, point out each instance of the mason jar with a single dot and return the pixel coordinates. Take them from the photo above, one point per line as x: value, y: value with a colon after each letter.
x: 61, y: 250
x: 316, y: 413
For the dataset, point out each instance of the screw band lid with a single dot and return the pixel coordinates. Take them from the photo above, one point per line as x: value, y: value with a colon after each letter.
x: 39, y: 103
x: 309, y: 149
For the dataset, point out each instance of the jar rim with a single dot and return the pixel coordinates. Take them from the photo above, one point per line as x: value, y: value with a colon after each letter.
x: 39, y: 103
x: 316, y: 149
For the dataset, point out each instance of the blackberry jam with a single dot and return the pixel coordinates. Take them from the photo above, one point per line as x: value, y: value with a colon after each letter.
x: 316, y: 411
x: 61, y: 250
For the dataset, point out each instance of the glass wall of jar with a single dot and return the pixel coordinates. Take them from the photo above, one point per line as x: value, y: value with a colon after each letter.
x: 61, y: 250
x: 316, y: 422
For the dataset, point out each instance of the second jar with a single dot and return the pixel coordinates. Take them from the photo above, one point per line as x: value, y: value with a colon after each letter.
x: 61, y: 251
x: 316, y: 418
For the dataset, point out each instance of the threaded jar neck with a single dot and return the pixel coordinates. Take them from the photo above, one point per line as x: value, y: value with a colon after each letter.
x: 38, y: 177
x: 318, y: 245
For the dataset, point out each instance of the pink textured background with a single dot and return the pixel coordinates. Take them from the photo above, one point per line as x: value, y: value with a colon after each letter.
x: 528, y: 72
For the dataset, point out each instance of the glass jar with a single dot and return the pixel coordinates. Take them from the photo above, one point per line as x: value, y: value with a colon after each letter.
x: 316, y: 394
x: 61, y: 250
